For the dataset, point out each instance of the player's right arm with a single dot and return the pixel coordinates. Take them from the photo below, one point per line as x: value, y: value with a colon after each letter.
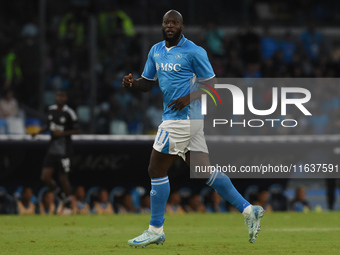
x: 141, y: 84
x: 44, y: 129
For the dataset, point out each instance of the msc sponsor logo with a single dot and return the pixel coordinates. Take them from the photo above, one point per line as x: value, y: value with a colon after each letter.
x: 168, y: 67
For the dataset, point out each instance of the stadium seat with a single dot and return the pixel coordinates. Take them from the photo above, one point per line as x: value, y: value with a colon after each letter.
x: 49, y: 97
x: 205, y: 191
x: 3, y: 127
x: 251, y: 193
x: 33, y: 125
x: 185, y: 192
x: 118, y: 127
x: 275, y: 188
x: 83, y: 112
x: 97, y: 110
x: 39, y: 198
x: 7, y: 204
x: 15, y: 125
x: 18, y: 194
x: 3, y: 189
x: 135, y: 128
x: 41, y: 193
x: 277, y: 198
x: 136, y: 194
x: 91, y: 194
x: 117, y: 191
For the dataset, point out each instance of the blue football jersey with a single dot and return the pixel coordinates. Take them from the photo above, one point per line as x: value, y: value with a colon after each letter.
x: 177, y: 68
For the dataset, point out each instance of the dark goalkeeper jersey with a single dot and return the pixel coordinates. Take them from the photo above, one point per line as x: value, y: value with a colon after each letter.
x: 63, y: 120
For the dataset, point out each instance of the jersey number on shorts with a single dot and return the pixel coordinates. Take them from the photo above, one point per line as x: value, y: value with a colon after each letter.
x: 66, y: 164
x: 163, y: 141
x: 162, y: 138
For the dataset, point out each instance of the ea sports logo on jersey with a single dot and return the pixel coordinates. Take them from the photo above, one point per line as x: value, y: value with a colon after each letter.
x: 178, y: 56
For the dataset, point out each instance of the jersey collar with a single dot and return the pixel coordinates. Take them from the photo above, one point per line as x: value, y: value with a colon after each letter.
x: 179, y: 44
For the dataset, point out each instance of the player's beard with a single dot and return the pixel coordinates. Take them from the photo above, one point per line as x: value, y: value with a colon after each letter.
x: 174, y: 39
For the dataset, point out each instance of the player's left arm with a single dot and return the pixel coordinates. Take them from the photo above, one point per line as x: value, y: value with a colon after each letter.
x: 182, y: 102
x: 197, y: 94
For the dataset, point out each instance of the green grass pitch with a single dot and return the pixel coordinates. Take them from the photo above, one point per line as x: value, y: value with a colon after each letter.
x: 282, y: 233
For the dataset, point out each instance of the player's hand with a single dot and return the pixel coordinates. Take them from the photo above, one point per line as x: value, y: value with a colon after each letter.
x: 179, y: 103
x: 128, y: 81
x: 58, y: 133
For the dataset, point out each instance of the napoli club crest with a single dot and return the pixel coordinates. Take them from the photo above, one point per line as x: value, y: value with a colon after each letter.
x: 178, y: 56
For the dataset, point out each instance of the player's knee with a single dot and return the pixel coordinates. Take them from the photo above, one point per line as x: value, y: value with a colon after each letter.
x: 151, y: 171
x: 156, y: 172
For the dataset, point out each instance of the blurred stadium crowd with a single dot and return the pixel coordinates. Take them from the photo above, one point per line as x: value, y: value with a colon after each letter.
x: 119, y: 201
x: 247, y: 52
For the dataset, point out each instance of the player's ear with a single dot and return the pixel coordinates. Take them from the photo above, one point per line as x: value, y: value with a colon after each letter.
x: 182, y: 27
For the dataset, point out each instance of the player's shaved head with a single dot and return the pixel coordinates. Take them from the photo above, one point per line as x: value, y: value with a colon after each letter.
x: 173, y: 14
x: 172, y: 27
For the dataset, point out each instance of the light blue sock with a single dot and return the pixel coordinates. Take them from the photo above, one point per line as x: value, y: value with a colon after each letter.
x: 159, y: 194
x: 223, y: 186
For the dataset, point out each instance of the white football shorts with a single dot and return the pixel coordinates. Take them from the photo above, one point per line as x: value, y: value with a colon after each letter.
x: 177, y: 137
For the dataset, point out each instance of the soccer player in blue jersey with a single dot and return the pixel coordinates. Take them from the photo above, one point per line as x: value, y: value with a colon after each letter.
x: 175, y: 62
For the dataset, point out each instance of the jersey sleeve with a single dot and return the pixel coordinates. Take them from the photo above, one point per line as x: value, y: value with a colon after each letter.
x: 150, y: 72
x: 201, y: 65
x: 75, y: 124
x: 73, y: 119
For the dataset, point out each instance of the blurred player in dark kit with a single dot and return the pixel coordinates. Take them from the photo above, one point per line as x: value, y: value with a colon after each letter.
x: 62, y: 123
